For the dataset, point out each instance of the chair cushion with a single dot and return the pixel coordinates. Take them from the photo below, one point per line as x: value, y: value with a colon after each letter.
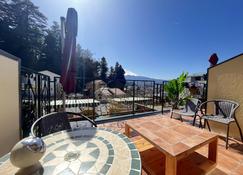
x: 191, y: 105
x: 184, y: 113
x: 224, y: 108
x: 190, y: 108
x: 218, y: 118
x: 80, y: 124
x: 53, y: 122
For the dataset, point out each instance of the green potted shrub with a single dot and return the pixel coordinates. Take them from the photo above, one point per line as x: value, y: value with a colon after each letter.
x: 174, y: 89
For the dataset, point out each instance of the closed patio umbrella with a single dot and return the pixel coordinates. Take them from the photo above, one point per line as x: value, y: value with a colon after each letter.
x: 69, y: 52
x: 213, y: 60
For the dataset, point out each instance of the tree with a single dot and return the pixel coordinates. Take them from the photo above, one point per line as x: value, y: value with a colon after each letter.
x: 111, y: 76
x: 118, y: 78
x: 103, y: 69
x: 22, y: 29
x: 78, y: 51
x: 91, y: 69
x: 51, y: 53
x: 87, y: 67
x: 174, y: 88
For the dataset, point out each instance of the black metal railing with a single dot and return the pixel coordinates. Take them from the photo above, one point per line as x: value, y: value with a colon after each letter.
x: 35, y: 97
x: 41, y: 95
x: 97, y: 99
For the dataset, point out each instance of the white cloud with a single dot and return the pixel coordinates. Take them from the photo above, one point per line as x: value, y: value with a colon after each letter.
x: 128, y: 72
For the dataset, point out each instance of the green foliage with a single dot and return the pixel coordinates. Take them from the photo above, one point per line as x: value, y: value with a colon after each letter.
x: 117, y: 77
x: 103, y: 69
x: 111, y: 74
x: 174, y: 88
x: 51, y: 53
x: 22, y: 30
x: 87, y: 66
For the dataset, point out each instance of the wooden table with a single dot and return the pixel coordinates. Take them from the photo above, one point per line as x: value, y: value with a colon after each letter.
x: 176, y: 140
x: 83, y: 151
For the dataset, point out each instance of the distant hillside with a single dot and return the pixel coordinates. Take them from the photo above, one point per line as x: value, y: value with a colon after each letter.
x: 133, y: 77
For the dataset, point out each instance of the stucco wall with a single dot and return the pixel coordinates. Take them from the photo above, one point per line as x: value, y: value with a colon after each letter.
x: 9, y: 103
x: 225, y: 81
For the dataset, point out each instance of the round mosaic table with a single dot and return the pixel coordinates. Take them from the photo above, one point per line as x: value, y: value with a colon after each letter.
x: 85, y: 151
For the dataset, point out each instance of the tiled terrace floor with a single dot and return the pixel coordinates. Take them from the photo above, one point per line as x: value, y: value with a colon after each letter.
x: 229, y: 161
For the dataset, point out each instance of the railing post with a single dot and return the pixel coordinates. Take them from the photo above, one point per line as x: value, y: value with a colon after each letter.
x: 38, y: 95
x: 162, y: 102
x: 49, y: 94
x: 29, y: 88
x: 153, y: 93
x: 93, y: 100
x: 157, y: 93
x: 144, y: 89
x: 160, y: 93
x: 55, y: 96
x: 133, y: 98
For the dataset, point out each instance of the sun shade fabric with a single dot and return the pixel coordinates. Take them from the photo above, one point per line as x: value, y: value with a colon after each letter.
x: 69, y: 52
x: 213, y: 59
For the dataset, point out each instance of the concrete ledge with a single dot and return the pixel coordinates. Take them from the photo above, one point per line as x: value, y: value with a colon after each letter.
x: 125, y: 117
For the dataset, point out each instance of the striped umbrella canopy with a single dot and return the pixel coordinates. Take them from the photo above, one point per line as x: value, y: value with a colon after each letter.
x: 69, y: 68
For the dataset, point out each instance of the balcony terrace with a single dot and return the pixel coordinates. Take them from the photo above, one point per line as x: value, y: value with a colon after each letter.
x: 39, y: 96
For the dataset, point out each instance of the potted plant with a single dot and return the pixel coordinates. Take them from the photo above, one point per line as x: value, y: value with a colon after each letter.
x: 175, y: 89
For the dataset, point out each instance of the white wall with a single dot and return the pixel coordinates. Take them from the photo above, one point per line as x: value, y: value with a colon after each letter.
x: 9, y: 102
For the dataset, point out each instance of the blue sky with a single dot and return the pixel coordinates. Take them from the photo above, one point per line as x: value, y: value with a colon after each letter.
x: 156, y: 38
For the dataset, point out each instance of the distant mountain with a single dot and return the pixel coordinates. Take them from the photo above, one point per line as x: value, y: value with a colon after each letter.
x: 134, y: 77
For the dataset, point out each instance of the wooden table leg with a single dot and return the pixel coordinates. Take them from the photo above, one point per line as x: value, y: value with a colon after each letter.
x: 170, y: 165
x: 213, y: 150
x: 127, y: 130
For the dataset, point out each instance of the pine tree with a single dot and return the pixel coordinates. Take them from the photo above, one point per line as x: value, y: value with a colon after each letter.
x: 111, y: 76
x: 103, y: 69
x: 118, y: 77
x: 87, y: 66
x: 22, y: 29
x: 51, y: 58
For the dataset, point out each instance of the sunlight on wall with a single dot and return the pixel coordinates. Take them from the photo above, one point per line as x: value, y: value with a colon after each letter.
x: 225, y: 82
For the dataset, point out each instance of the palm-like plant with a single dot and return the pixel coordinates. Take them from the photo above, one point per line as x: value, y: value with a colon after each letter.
x: 174, y: 88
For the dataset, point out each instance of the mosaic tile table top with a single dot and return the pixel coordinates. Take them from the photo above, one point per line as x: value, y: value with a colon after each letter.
x: 85, y: 151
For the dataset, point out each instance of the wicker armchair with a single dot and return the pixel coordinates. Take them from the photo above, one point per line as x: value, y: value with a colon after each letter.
x: 55, y: 122
x: 190, y: 109
x: 224, y: 112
